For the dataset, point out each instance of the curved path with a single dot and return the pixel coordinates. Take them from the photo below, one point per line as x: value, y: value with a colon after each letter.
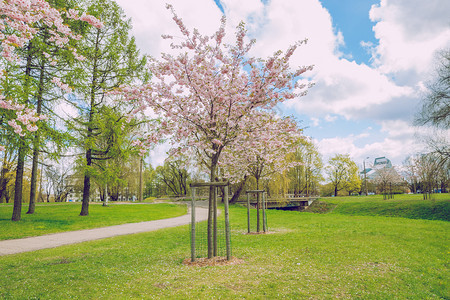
x: 73, y: 237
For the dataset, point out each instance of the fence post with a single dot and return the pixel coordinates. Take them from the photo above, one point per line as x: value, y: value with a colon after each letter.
x: 264, y: 211
x: 215, y: 221
x: 193, y: 225
x: 248, y: 212
x: 227, y: 224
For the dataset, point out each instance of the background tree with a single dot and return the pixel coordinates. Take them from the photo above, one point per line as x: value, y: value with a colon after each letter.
x: 436, y: 104
x: 48, y: 63
x: 410, y: 172
x: 387, y: 181
x: 262, y: 152
x: 342, y: 172
x: 47, y: 184
x: 149, y: 177
x: 59, y: 183
x: 7, y: 174
x: 27, y: 14
x: 116, y: 160
x: 428, y: 169
x: 307, y: 174
x: 111, y: 59
x: 435, y: 111
x: 175, y: 176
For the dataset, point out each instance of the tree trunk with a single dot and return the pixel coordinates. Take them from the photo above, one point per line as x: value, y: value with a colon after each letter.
x: 22, y: 147
x: 238, y: 191
x: 141, y: 179
x: 17, y: 210
x: 32, y: 204
x: 87, y: 175
x: 86, y: 185
x: 34, y: 169
x: 212, y: 210
x: 335, y: 190
x: 104, y: 192
x: 3, y: 179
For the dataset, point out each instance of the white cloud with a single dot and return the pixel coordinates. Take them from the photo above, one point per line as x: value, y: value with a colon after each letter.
x: 409, y: 33
x: 330, y: 118
x: 159, y: 154
x: 151, y: 19
x: 343, y: 87
x: 315, y: 121
x: 399, y: 142
x: 65, y: 110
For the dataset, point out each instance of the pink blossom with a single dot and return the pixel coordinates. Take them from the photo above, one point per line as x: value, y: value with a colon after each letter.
x: 19, y: 17
x: 32, y: 127
x: 215, y: 99
x: 61, y: 85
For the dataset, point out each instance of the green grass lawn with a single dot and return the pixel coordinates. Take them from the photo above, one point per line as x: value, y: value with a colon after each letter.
x: 407, y: 206
x: 319, y: 256
x: 58, y: 217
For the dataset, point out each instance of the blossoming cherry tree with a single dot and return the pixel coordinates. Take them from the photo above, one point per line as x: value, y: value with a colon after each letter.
x: 206, y: 93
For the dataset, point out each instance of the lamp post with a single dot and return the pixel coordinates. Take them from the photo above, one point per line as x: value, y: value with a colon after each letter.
x: 365, y: 175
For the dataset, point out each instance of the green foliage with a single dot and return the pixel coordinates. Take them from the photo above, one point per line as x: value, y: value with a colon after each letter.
x: 59, y: 217
x: 174, y: 176
x: 305, y: 256
x: 150, y: 199
x: 112, y: 60
x: 343, y: 174
x: 150, y: 190
x: 305, y: 178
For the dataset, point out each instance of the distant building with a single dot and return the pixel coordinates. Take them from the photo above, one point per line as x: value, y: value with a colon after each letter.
x: 379, y: 163
x: 382, y: 162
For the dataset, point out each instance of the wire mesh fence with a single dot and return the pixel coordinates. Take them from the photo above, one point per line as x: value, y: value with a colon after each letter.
x: 254, y: 220
x: 257, y: 218
x: 220, y: 242
x: 201, y: 239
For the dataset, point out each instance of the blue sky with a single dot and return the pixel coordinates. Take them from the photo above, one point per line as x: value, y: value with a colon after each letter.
x: 351, y: 17
x: 372, y: 61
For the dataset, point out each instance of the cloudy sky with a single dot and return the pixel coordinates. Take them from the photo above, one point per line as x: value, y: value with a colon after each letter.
x: 373, y: 59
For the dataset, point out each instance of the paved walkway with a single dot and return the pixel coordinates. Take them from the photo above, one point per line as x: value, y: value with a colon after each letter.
x: 73, y: 237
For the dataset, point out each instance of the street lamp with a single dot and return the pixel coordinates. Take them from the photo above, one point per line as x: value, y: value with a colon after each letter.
x: 365, y: 175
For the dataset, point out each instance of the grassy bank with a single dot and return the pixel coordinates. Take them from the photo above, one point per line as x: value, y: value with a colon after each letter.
x: 406, y: 206
x: 51, y: 217
x: 307, y: 255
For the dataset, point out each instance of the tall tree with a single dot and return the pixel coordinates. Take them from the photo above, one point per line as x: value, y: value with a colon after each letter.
x: 342, y: 171
x: 435, y: 111
x: 429, y: 168
x: 436, y: 104
x: 206, y: 94
x: 6, y: 174
x: 174, y: 174
x: 111, y: 59
x: 306, y: 175
x: 411, y: 175
x: 386, y: 179
x: 59, y: 182
x: 49, y: 62
x: 18, y: 22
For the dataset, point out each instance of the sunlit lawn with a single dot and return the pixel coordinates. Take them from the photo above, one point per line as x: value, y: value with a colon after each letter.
x: 408, y: 206
x: 319, y: 256
x: 58, y: 217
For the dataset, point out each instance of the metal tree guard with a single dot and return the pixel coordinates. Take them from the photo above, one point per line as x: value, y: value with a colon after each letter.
x: 264, y: 194
x: 216, y: 185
